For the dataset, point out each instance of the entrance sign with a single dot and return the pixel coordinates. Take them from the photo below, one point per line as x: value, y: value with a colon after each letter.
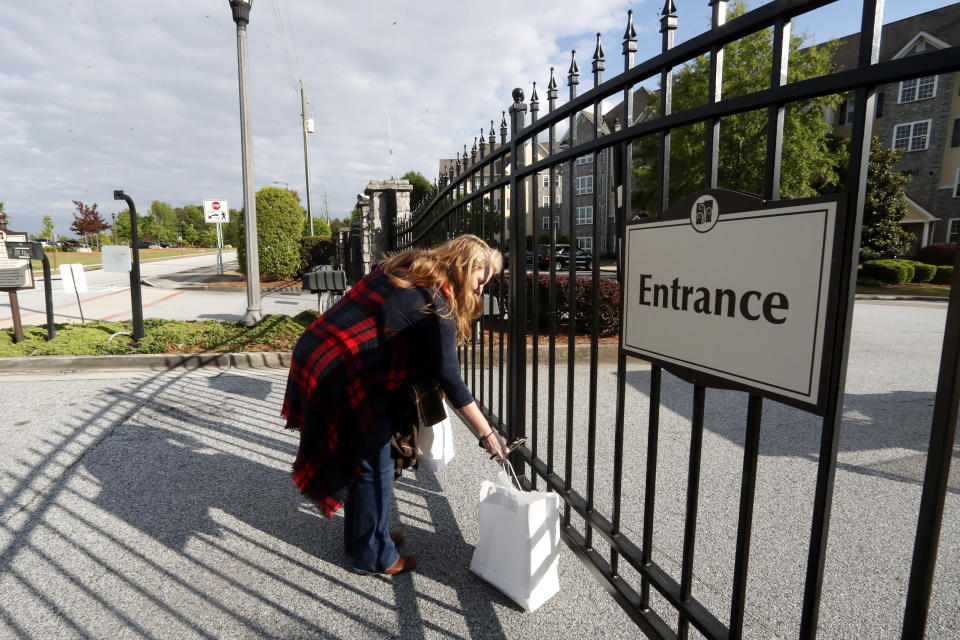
x: 14, y: 274
x: 728, y: 291
x: 216, y: 211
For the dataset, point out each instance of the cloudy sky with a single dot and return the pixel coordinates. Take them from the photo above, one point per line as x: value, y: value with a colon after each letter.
x: 109, y: 94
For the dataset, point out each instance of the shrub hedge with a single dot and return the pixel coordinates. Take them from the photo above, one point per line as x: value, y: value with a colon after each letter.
x: 609, y: 292
x: 279, y: 229
x: 316, y: 250
x: 944, y: 275
x: 923, y: 272
x: 938, y: 253
x: 888, y: 271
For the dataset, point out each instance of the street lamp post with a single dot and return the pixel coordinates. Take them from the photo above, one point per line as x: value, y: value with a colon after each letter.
x: 114, y: 217
x: 241, y: 16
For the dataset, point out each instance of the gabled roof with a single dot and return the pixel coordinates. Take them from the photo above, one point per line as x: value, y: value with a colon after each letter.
x: 641, y: 99
x: 939, y: 27
x: 917, y: 213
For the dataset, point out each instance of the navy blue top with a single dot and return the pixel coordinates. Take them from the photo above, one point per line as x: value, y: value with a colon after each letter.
x: 433, y: 343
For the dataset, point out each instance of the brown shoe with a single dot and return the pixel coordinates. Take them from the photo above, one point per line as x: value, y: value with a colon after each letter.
x: 402, y: 565
x: 397, y: 538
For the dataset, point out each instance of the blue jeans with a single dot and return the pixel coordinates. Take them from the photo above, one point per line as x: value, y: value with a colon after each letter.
x: 366, y: 512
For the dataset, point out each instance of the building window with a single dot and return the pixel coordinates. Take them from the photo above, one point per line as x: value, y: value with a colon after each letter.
x: 546, y: 222
x: 585, y: 215
x: 587, y: 159
x: 846, y: 111
x: 956, y: 185
x: 586, y: 243
x: 584, y: 185
x: 912, y: 136
x: 496, y: 204
x: 545, y: 200
x: 954, y: 230
x: 545, y: 180
x: 955, y: 138
x: 918, y: 89
x: 879, y: 108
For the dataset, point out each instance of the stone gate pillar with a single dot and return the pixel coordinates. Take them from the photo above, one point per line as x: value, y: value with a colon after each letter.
x: 385, y: 204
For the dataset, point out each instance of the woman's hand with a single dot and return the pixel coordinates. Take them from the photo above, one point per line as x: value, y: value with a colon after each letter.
x: 495, y: 445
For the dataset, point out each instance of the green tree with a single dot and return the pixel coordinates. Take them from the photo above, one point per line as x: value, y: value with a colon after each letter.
x: 4, y: 217
x: 421, y: 188
x: 279, y: 230
x: 162, y: 221
x: 320, y: 227
x: 809, y: 163
x: 882, y: 235
x: 47, y: 230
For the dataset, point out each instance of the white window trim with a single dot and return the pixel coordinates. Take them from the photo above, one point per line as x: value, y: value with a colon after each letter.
x: 582, y: 182
x: 956, y: 185
x: 950, y: 229
x: 585, y: 243
x: 909, y: 146
x: 916, y: 94
x: 546, y: 181
x: 546, y: 222
x: 587, y: 159
x: 585, y: 215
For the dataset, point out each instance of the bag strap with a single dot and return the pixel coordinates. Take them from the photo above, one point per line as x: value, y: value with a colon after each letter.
x: 512, y: 474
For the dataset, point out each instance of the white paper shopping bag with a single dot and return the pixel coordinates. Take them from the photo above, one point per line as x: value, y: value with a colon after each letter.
x: 435, y: 444
x: 519, y: 544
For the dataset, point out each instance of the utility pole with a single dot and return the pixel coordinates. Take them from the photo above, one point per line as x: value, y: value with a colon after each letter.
x: 306, y: 152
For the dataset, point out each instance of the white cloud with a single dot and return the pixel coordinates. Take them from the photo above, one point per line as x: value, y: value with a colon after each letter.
x: 111, y: 94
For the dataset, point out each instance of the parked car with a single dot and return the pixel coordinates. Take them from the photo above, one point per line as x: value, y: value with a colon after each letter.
x: 582, y: 259
x: 67, y: 243
x: 146, y: 244
x: 165, y: 245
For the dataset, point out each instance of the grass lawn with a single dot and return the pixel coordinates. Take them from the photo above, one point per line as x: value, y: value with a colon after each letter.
x: 146, y: 255
x: 275, y: 333
x: 908, y: 289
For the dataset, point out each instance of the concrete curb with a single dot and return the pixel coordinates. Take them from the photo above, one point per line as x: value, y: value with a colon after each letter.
x: 148, y: 362
x: 606, y: 353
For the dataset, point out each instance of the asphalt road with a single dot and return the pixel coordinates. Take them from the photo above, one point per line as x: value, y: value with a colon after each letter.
x: 160, y: 506
x: 108, y: 296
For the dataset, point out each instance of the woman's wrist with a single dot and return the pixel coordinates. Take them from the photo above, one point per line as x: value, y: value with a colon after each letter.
x: 487, y: 435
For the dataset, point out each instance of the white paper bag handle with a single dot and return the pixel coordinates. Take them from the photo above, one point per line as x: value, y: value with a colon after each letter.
x: 512, y: 474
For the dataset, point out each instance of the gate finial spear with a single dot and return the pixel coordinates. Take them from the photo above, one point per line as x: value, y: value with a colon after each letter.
x: 598, y: 61
x: 503, y: 128
x: 552, y: 86
x: 483, y: 142
x: 668, y: 19
x: 630, y: 34
x: 493, y: 136
x: 534, y: 102
x: 573, y: 75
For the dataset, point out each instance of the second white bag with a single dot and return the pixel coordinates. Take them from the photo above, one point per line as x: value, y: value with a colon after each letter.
x: 519, y: 544
x: 436, y: 445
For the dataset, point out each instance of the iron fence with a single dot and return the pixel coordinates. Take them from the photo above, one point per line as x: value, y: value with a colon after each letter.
x: 495, y: 190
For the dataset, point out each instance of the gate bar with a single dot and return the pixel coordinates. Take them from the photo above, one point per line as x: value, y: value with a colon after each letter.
x: 937, y: 474
x: 856, y: 194
x: 650, y: 487
x: 693, y: 498
x: 748, y: 487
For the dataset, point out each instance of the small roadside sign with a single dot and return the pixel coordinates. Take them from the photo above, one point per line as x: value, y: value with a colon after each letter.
x: 116, y: 258
x: 216, y: 211
x: 73, y: 278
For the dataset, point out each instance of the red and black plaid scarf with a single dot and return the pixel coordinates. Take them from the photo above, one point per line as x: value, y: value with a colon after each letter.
x: 342, y: 389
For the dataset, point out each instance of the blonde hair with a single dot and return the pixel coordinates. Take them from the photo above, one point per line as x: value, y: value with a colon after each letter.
x: 450, y: 263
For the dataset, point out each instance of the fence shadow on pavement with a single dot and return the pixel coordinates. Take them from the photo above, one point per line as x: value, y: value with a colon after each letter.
x: 163, y: 507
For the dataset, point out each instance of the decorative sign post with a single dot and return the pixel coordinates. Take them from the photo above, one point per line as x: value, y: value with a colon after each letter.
x: 26, y: 251
x: 14, y: 276
x: 136, y: 300
x: 217, y: 211
x: 728, y: 291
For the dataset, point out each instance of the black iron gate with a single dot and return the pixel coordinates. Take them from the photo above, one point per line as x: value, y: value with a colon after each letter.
x: 496, y: 190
